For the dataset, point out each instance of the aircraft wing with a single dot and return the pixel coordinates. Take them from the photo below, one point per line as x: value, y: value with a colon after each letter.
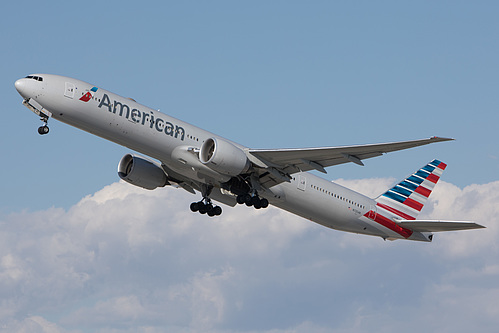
x: 437, y: 226
x: 282, y: 162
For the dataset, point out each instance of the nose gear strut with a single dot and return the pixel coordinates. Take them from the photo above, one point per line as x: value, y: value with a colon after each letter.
x: 44, y: 115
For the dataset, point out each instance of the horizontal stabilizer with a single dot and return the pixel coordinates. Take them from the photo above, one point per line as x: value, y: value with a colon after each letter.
x: 437, y: 226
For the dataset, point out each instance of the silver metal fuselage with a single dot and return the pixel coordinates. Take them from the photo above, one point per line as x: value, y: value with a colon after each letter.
x: 170, y: 140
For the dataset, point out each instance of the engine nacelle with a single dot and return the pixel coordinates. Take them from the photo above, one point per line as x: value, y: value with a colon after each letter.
x: 141, y: 172
x: 223, y: 157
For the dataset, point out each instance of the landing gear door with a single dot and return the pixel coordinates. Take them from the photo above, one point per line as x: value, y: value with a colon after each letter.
x: 302, y: 182
x: 69, y: 90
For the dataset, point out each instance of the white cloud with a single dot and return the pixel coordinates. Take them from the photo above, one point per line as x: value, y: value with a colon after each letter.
x: 33, y: 324
x: 126, y: 259
x: 475, y: 203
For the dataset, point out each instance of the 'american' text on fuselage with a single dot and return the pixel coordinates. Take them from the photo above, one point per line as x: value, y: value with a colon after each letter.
x: 142, y: 118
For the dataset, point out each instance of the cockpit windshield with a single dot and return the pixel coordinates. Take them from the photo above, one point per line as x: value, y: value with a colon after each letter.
x: 38, y: 78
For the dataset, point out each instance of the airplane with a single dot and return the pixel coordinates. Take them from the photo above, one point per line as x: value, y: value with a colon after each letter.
x: 188, y: 157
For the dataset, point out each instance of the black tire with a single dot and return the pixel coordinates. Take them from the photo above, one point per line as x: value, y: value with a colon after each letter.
x: 203, y: 209
x: 195, y: 206
x: 217, y: 210
x: 42, y: 130
x: 248, y: 200
x: 240, y: 199
x: 264, y: 203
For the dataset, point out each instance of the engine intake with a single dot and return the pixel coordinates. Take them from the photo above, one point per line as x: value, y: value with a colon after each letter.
x: 141, y: 172
x: 223, y: 157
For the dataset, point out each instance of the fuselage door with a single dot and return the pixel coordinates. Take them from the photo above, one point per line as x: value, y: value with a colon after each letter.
x: 302, y: 182
x: 372, y: 212
x: 69, y: 90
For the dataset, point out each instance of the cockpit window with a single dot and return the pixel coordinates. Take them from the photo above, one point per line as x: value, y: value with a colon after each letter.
x: 38, y: 78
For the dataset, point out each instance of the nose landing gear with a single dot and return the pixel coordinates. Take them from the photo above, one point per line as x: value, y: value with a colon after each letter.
x: 44, y: 129
x: 44, y: 115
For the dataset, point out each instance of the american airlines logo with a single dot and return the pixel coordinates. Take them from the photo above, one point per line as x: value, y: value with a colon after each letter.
x: 88, y: 96
x: 143, y: 118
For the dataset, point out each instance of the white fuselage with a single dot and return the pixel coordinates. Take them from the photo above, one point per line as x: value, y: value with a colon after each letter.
x: 167, y: 139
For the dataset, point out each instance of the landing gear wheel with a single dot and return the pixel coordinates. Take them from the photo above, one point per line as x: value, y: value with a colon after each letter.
x: 42, y: 130
x: 217, y: 210
x: 248, y: 200
x: 203, y: 209
x: 254, y: 200
x: 264, y: 203
x: 195, y: 206
x: 206, y: 208
x: 240, y: 199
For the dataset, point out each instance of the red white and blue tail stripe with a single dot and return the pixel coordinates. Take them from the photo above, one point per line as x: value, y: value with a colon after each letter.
x: 397, y: 209
x: 406, y: 199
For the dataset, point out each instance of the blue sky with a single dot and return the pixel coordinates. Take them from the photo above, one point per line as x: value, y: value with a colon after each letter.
x: 266, y: 75
x: 284, y: 74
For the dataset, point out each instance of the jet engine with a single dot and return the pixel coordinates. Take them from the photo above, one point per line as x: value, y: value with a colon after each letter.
x: 223, y: 157
x: 141, y: 172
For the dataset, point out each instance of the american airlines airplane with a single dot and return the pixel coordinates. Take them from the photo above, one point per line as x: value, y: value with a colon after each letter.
x: 229, y: 173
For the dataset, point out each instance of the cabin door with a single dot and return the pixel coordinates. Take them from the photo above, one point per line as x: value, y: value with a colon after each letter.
x: 302, y: 182
x: 70, y: 90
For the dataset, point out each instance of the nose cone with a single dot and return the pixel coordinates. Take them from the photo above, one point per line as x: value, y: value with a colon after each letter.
x: 22, y: 87
x: 19, y: 85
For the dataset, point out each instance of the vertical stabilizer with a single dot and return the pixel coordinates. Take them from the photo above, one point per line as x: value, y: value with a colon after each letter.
x: 406, y: 199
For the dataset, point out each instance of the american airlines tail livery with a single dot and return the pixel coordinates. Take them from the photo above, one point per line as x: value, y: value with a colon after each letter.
x: 189, y: 157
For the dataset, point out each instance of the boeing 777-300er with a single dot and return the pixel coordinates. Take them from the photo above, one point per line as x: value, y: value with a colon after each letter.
x: 224, y: 171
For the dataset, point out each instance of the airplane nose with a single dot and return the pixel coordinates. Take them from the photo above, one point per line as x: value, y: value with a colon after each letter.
x: 21, y: 87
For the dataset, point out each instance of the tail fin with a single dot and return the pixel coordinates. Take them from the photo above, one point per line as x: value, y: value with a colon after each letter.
x: 406, y: 199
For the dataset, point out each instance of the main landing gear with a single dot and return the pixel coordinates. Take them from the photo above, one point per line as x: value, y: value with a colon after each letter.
x: 44, y: 129
x: 254, y: 201
x: 246, y: 196
x: 206, y: 207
